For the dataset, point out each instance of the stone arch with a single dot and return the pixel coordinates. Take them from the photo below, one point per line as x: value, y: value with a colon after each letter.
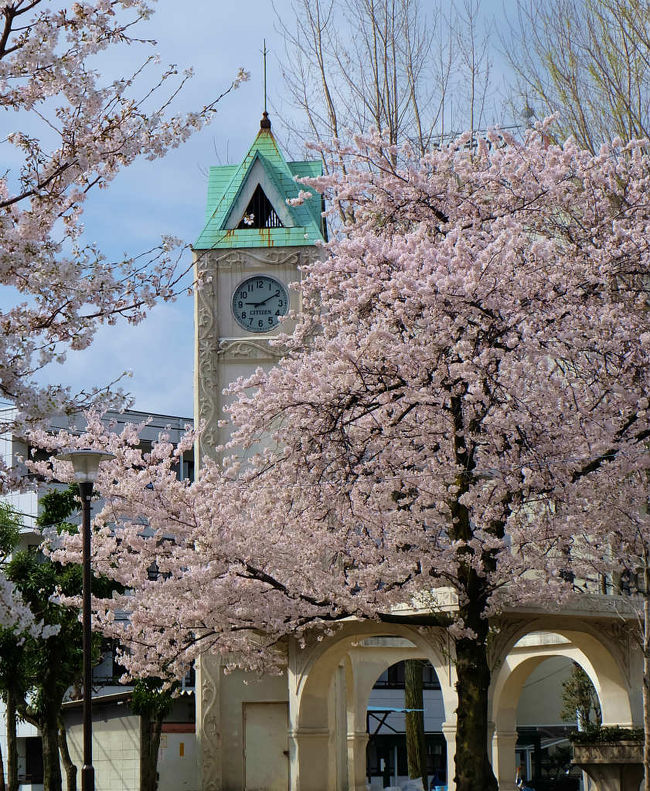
x: 604, y: 653
x: 380, y: 661
x: 324, y: 670
x: 583, y: 647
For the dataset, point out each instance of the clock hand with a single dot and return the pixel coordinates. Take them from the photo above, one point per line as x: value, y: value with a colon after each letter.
x: 277, y: 294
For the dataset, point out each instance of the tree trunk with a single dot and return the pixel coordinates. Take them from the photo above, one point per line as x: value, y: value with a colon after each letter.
x: 646, y: 683
x: 473, y: 769
x: 69, y: 766
x: 12, y: 743
x: 2, y: 773
x: 416, y: 750
x: 150, y: 731
x: 49, y: 727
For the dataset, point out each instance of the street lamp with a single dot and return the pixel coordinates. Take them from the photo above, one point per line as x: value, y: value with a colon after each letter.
x: 86, y: 465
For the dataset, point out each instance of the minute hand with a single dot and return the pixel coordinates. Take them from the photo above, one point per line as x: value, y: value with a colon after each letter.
x: 277, y: 294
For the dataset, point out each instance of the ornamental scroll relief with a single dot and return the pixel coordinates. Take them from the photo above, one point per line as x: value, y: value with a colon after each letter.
x: 206, y: 373
x: 211, y: 350
x: 282, y: 256
x: 249, y: 349
x: 208, y: 721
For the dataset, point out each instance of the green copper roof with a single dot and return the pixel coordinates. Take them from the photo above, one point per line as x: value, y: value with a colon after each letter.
x: 231, y: 186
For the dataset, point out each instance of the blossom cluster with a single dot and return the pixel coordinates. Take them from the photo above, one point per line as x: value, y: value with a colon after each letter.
x: 462, y: 402
x: 72, y: 130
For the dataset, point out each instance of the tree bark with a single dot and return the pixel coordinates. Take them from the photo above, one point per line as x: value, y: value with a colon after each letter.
x: 473, y: 769
x: 49, y: 727
x: 69, y: 766
x: 646, y: 683
x: 416, y: 750
x: 472, y: 765
x: 12, y: 743
x: 150, y: 732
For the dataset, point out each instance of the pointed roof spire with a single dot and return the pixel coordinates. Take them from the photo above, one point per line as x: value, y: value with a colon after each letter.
x: 265, y: 123
x: 261, y: 186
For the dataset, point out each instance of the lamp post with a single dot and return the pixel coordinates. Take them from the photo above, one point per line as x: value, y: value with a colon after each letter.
x: 86, y: 465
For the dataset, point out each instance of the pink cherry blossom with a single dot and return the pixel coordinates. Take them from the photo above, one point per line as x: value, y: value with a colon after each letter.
x: 462, y: 400
x: 69, y: 131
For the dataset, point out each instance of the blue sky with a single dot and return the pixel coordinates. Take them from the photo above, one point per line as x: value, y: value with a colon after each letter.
x: 168, y: 196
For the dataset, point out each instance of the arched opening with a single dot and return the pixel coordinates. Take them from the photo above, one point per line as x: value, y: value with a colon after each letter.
x: 532, y: 712
x: 556, y: 698
x: 331, y: 684
x: 405, y: 713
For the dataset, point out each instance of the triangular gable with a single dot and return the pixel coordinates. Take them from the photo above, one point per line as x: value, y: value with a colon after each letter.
x: 260, y: 213
x: 231, y: 189
x: 259, y: 174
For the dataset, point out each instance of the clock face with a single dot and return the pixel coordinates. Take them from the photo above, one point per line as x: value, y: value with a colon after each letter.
x: 259, y: 302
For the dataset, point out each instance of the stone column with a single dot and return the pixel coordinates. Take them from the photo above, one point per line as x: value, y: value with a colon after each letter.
x: 309, y: 760
x: 208, y: 722
x: 357, y: 743
x: 449, y: 732
x: 504, y: 759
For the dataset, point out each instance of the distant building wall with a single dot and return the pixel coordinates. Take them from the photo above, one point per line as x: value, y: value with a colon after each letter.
x: 541, y: 697
x: 116, y: 748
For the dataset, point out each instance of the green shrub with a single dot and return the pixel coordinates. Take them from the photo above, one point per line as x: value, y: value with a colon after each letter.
x: 595, y: 734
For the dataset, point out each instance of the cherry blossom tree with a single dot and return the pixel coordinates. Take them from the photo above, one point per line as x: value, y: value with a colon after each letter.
x: 471, y: 358
x: 68, y: 131
x: 73, y: 131
x: 619, y: 549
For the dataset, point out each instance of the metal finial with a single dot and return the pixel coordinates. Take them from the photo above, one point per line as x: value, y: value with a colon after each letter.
x: 265, y: 123
x: 264, y: 56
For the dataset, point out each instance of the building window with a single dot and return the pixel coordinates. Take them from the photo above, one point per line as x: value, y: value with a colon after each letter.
x: 393, y: 678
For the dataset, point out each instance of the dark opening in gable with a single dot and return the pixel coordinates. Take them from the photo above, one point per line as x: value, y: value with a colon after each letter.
x: 259, y: 212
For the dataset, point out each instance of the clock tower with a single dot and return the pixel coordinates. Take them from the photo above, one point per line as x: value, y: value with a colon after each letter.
x: 252, y: 246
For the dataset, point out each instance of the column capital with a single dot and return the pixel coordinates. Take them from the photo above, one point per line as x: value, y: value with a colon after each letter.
x: 506, y: 734
x: 306, y: 732
x: 449, y: 728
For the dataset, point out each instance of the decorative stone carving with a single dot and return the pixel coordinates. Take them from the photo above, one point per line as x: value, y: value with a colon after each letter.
x: 206, y: 361
x: 286, y: 256
x: 209, y: 722
x: 623, y: 606
x: 248, y: 349
x: 613, y: 767
x: 503, y: 632
x: 258, y: 257
x: 301, y: 654
x: 441, y: 641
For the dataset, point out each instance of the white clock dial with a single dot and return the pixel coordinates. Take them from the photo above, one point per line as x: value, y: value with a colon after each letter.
x: 259, y: 302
